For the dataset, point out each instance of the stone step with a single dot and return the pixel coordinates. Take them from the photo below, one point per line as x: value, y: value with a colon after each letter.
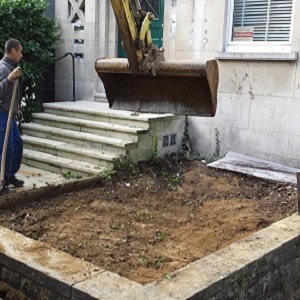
x: 71, y: 151
x: 94, y: 135
x: 89, y: 140
x: 100, y: 128
x: 100, y: 112
x: 70, y: 167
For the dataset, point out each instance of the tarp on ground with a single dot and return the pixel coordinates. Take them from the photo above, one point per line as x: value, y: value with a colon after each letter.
x: 256, y: 167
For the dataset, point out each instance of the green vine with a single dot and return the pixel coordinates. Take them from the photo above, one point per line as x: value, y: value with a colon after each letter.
x: 154, y: 151
x: 217, y: 147
x: 186, y: 137
x: 216, y: 155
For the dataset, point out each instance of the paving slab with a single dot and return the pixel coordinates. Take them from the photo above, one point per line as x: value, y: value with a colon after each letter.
x: 36, y: 178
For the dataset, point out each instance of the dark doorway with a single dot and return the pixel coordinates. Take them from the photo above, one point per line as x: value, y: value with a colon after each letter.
x: 46, y: 91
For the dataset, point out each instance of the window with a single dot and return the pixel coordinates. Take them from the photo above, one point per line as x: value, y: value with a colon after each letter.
x: 259, y: 25
x: 150, y: 6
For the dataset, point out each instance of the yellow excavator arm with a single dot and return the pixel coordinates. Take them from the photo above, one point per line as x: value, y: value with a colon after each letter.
x: 134, y: 27
x: 145, y: 81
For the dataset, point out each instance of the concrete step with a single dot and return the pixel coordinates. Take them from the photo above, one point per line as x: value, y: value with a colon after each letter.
x: 95, y: 111
x: 100, y: 128
x: 88, y: 140
x: 50, y: 162
x: 71, y: 151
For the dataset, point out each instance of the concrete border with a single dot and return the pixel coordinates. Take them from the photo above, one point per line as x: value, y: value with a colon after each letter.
x: 265, y: 265
x: 46, y: 192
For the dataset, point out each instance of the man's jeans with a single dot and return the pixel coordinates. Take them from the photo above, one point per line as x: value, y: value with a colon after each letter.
x: 14, y: 151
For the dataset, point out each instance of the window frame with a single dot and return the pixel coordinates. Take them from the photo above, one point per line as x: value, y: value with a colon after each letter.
x: 254, y: 47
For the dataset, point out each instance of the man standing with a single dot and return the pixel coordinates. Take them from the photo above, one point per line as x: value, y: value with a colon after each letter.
x: 9, y: 72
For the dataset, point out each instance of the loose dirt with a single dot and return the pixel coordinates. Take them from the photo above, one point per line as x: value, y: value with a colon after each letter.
x: 147, y: 220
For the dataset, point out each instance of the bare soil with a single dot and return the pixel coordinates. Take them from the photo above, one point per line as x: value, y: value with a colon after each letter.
x: 150, y: 219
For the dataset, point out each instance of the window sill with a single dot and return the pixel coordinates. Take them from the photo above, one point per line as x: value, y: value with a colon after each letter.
x: 256, y: 56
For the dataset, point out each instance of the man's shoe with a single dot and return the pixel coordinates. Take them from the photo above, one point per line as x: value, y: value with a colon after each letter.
x: 4, y: 191
x: 15, y: 182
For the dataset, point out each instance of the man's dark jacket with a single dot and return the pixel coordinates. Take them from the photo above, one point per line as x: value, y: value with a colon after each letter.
x: 6, y: 87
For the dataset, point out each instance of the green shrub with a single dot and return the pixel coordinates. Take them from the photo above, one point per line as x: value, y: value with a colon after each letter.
x: 26, y: 21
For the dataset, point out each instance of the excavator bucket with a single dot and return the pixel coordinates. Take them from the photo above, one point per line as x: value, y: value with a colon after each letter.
x: 185, y: 88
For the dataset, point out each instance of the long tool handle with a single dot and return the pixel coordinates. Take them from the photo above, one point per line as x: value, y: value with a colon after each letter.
x: 12, y: 105
x: 298, y: 190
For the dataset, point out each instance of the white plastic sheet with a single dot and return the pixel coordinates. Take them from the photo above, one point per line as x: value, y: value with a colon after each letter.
x: 256, y: 167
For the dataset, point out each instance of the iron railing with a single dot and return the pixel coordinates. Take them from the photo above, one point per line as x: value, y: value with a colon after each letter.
x: 57, y: 59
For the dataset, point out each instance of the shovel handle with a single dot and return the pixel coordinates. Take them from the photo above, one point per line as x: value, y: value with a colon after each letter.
x: 4, y: 150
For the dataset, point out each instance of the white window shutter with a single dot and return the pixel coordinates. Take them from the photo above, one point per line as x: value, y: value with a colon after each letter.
x: 271, y: 19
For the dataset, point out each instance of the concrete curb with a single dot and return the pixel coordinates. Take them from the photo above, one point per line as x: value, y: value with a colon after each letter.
x: 46, y: 192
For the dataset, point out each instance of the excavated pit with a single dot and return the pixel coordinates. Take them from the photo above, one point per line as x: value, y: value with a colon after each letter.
x: 135, y: 220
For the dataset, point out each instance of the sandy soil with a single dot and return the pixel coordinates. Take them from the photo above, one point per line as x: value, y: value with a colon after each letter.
x: 147, y: 220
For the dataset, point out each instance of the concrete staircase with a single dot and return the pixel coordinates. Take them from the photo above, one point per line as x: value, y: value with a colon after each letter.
x: 83, y: 138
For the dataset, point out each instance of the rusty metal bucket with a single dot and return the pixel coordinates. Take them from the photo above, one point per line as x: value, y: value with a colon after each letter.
x: 179, y: 87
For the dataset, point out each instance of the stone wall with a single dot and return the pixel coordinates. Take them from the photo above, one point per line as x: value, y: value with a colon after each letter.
x: 258, y: 96
x: 256, y: 113
x: 88, y: 31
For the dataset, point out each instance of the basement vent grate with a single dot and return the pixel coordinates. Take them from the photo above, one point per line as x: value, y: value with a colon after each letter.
x: 172, y: 139
x: 165, y: 140
x: 169, y: 140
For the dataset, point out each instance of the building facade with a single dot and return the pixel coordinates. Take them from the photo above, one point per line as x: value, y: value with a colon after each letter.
x: 256, y: 44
